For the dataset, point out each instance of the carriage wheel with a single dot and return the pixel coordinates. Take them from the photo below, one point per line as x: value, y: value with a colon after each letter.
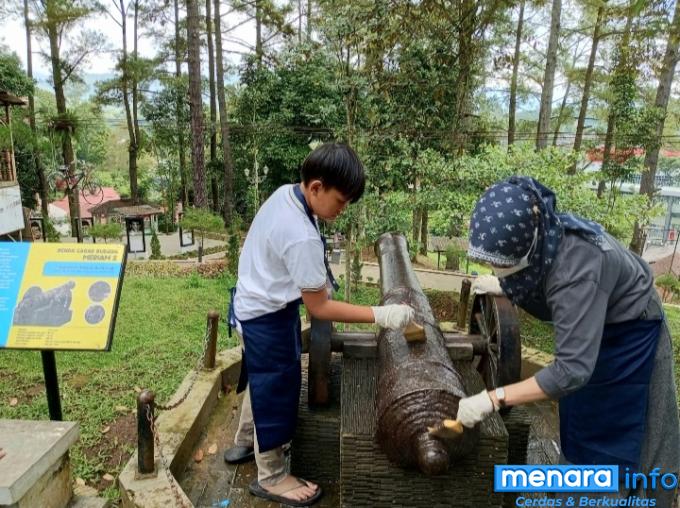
x: 494, y: 318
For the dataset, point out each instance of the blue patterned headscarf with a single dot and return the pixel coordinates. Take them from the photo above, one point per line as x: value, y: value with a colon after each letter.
x: 502, y: 231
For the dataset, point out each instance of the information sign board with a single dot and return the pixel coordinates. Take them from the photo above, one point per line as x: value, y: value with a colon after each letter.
x: 57, y: 296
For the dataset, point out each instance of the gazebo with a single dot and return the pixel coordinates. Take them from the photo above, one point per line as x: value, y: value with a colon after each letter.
x: 118, y: 210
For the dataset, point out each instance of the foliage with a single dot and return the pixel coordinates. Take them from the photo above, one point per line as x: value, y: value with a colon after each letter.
x: 53, y: 235
x: 202, y: 221
x: 155, y: 245
x: 233, y: 244
x: 453, y: 256
x: 669, y: 283
x: 106, y: 232
x: 356, y: 267
x: 13, y: 79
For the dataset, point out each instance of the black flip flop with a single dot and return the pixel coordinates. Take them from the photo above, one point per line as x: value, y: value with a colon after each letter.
x: 239, y: 454
x: 256, y: 490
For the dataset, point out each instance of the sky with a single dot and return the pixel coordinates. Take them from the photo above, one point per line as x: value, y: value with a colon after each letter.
x: 13, y: 35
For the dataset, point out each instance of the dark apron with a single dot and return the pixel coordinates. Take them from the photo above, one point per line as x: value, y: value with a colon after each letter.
x: 604, y: 422
x: 271, y: 367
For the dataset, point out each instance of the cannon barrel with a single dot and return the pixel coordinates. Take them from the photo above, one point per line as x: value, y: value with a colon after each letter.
x: 418, y: 385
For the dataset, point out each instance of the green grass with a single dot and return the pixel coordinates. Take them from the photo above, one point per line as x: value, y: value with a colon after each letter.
x: 158, y: 339
x: 471, y: 267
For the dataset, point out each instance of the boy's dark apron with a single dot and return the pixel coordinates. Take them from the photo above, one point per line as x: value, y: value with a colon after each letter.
x: 604, y: 422
x: 271, y: 367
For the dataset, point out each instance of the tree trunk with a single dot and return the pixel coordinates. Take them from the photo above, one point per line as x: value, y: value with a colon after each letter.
x: 196, y: 103
x: 213, y: 106
x: 135, y: 104
x: 581, y: 122
x: 224, y: 121
x: 515, y: 72
x: 561, y: 112
x: 423, y: 231
x: 299, y: 9
x: 43, y: 190
x: 663, y: 93
x: 549, y: 77
x: 178, y: 114
x: 258, y: 32
x: 60, y: 98
x: 465, y: 63
x: 125, y: 83
x: 309, y: 20
x: 613, y: 110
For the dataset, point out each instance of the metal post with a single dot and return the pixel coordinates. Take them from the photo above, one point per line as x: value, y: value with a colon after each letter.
x: 51, y: 384
x: 463, y: 304
x: 145, y: 443
x: 675, y: 248
x: 213, y: 323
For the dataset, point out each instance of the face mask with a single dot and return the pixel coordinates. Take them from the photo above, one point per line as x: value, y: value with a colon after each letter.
x: 523, y: 263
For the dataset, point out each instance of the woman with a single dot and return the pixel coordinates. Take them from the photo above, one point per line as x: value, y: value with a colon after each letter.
x: 613, y: 366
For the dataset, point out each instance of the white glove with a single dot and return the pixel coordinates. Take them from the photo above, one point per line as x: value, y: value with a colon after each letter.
x: 394, y: 317
x: 472, y: 410
x: 486, y: 285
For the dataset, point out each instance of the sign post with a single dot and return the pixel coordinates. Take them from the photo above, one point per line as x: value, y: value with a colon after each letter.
x: 59, y: 297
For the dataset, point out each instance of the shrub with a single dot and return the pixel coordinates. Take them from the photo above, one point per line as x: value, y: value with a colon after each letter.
x: 106, y: 232
x: 155, y: 245
x: 669, y: 284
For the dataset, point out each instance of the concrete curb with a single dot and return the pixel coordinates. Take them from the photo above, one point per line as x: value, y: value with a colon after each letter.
x: 533, y: 360
x: 179, y: 430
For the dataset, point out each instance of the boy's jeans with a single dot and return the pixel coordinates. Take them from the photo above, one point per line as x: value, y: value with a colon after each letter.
x: 271, y: 465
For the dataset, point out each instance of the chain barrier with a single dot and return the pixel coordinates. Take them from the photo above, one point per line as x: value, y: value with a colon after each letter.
x: 157, y: 442
x: 180, y: 500
x: 194, y: 375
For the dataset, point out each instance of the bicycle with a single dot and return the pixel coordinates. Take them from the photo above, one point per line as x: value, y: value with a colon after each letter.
x: 62, y: 180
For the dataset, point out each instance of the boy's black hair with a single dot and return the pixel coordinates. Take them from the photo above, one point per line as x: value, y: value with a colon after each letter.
x: 338, y: 167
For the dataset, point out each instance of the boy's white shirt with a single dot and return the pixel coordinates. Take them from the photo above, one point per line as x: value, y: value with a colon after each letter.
x: 282, y: 256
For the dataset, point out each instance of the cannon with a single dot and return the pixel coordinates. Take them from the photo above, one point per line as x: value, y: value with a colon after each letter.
x: 45, y: 308
x: 368, y: 399
x: 418, y: 385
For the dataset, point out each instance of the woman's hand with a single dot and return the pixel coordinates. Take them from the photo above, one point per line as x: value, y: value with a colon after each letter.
x: 486, y: 285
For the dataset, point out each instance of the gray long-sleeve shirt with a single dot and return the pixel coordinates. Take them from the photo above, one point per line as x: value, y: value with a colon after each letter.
x: 586, y: 288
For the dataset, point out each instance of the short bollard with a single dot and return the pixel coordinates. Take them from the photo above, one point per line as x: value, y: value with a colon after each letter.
x: 463, y: 305
x: 145, y: 440
x: 211, y: 348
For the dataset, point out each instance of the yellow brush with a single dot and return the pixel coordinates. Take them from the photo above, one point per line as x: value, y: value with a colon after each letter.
x: 447, y: 429
x: 414, y: 333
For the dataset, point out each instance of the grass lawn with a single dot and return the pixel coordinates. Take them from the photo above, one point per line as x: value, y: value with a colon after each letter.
x: 158, y: 339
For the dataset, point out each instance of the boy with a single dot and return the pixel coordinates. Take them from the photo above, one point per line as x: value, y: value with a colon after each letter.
x: 282, y: 265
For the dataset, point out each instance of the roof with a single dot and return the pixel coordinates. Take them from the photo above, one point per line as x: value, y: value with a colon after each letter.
x: 441, y: 243
x: 86, y: 208
x: 125, y: 208
x: 12, y: 100
x: 596, y: 154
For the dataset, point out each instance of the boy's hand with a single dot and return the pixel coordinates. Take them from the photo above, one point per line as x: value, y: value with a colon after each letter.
x: 394, y: 317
